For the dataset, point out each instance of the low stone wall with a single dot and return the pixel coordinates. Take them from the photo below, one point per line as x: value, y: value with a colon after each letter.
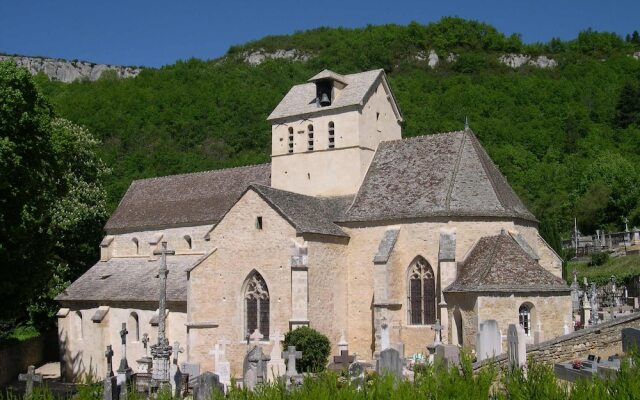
x: 603, y: 340
x: 16, y: 358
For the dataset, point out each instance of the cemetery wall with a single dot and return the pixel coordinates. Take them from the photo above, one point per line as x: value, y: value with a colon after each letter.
x: 602, y: 340
x: 16, y: 358
x: 216, y: 286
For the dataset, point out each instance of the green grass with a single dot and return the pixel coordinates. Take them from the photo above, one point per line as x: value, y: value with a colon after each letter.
x: 18, y: 334
x: 623, y: 268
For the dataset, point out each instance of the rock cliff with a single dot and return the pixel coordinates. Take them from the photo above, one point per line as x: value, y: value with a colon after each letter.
x: 69, y: 71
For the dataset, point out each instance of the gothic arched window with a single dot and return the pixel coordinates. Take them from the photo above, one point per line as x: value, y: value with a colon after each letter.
x: 524, y: 318
x: 134, y: 326
x: 422, y: 293
x: 332, y: 135
x: 256, y: 301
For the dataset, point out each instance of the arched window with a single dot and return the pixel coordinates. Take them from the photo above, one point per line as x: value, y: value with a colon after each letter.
x: 290, y: 140
x: 134, y: 326
x: 256, y: 300
x: 524, y: 318
x: 187, y: 239
x: 310, y: 137
x: 332, y: 135
x: 77, y: 325
x: 422, y: 293
x: 136, y: 245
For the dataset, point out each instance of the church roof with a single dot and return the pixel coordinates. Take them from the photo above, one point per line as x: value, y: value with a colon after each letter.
x: 500, y: 264
x: 188, y: 199
x: 448, y: 174
x: 301, y: 99
x: 130, y: 279
x: 307, y: 214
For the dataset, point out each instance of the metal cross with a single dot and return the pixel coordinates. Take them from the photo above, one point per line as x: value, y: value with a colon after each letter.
x: 291, y: 355
x: 176, y: 350
x: 109, y: 355
x: 343, y: 358
x: 29, y: 378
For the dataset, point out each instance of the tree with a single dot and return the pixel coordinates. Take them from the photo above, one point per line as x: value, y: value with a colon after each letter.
x: 628, y: 106
x: 314, y: 345
x: 52, y: 203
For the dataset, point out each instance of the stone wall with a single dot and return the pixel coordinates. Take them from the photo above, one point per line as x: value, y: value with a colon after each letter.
x: 15, y: 359
x: 602, y: 340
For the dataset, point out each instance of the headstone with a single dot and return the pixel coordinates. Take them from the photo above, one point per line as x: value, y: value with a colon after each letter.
x: 206, y: 384
x: 488, y: 340
x: 390, y: 363
x: 124, y: 372
x: 630, y: 339
x: 343, y: 360
x: 356, y: 374
x: 276, y: 366
x: 516, y: 346
x: 192, y: 370
x: 176, y: 375
x: 447, y: 354
x: 292, y: 355
x: 385, y: 342
x: 30, y: 377
x: 254, y: 369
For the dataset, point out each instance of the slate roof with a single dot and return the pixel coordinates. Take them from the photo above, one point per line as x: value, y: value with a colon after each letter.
x: 130, y: 279
x: 447, y: 174
x: 188, y: 199
x: 300, y: 99
x: 499, y: 264
x: 307, y: 214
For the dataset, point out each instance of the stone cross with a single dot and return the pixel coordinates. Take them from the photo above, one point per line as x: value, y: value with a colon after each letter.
x: 437, y: 328
x: 109, y: 355
x: 161, y: 352
x: 163, y: 289
x: 292, y: 355
x: 145, y: 341
x: 626, y: 222
x: 218, y: 350
x: 123, y: 336
x: 344, y: 358
x: 29, y: 378
x: 176, y: 350
x: 256, y: 336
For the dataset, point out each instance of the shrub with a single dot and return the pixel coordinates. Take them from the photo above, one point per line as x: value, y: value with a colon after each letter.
x: 314, y: 345
x: 599, y: 258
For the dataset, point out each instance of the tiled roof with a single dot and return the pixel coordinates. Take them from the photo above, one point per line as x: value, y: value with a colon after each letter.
x: 447, y: 174
x: 130, y: 279
x: 300, y: 99
x: 188, y: 199
x: 500, y: 264
x: 307, y: 214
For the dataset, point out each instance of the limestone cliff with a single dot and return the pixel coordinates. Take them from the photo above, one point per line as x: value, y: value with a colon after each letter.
x: 69, y: 71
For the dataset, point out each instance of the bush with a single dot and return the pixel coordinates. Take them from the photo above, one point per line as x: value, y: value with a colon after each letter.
x: 314, y: 345
x: 599, y: 258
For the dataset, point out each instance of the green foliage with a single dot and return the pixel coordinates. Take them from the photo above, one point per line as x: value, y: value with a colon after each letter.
x: 599, y: 258
x: 628, y: 106
x: 623, y: 268
x: 53, y: 202
x: 314, y: 345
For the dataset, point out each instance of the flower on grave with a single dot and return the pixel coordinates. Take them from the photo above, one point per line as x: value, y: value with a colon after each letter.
x: 577, y: 364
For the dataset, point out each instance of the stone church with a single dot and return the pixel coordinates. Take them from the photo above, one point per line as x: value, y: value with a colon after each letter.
x: 351, y: 230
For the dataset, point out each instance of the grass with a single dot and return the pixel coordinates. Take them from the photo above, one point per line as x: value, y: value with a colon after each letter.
x: 623, y: 268
x: 18, y: 334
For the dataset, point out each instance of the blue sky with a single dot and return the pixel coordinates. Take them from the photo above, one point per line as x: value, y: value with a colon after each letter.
x: 154, y: 33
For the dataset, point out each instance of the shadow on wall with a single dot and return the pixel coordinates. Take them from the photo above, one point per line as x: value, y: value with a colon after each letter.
x: 72, y: 366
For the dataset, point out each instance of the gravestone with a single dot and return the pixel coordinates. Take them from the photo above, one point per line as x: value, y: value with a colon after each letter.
x: 110, y: 388
x: 389, y: 363
x: 254, y: 369
x: 488, y: 340
x: 276, y: 366
x: 516, y: 346
x: 630, y: 339
x: 192, y: 370
x: 206, y: 384
x: 30, y: 377
x: 447, y: 354
x: 221, y: 365
x: 343, y: 360
x: 356, y: 374
x: 291, y: 355
x: 175, y: 374
x: 124, y: 371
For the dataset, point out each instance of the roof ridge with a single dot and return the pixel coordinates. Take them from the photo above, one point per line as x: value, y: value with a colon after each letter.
x: 490, y: 260
x: 454, y: 175
x: 483, y: 162
x: 200, y: 172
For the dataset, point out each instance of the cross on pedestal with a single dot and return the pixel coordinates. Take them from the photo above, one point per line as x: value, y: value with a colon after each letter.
x: 123, y: 336
x: 176, y: 351
x: 109, y: 355
x: 343, y: 358
x: 29, y: 378
x: 216, y: 352
x: 438, y: 330
x: 292, y: 355
x: 145, y: 341
x: 256, y: 337
x: 161, y: 351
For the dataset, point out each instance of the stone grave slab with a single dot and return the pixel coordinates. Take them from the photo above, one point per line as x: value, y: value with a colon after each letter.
x: 206, y: 383
x: 390, y: 363
x: 630, y: 339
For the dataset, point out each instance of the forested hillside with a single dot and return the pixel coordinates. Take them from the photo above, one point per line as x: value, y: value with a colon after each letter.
x: 566, y: 137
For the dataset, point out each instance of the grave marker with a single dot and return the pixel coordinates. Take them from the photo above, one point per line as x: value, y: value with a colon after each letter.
x: 30, y: 377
